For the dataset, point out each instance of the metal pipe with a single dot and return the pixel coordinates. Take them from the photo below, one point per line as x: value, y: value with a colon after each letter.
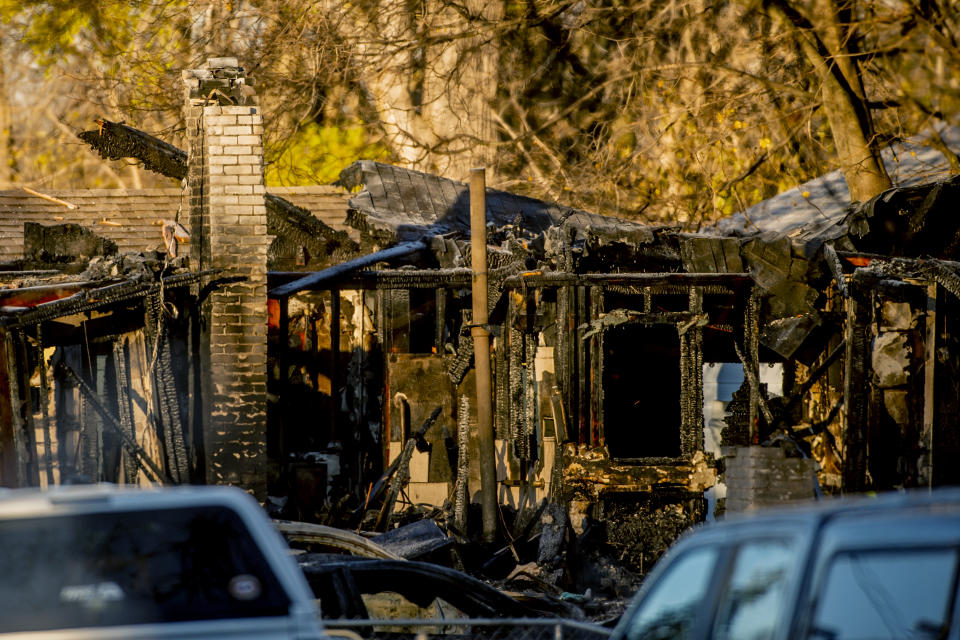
x: 481, y: 351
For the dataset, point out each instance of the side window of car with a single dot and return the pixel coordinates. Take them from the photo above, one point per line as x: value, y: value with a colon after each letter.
x: 669, y: 610
x: 754, y: 598
x: 903, y: 593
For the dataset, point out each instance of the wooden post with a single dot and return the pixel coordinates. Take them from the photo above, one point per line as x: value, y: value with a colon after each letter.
x: 929, y: 377
x: 334, y: 360
x: 481, y: 351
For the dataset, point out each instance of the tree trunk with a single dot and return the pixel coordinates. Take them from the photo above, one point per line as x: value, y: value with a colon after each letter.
x: 843, y: 96
x: 6, y: 124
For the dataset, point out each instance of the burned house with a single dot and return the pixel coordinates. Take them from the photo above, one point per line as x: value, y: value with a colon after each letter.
x: 327, y: 359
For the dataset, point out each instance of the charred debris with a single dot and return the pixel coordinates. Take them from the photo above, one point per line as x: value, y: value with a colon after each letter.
x: 644, y: 378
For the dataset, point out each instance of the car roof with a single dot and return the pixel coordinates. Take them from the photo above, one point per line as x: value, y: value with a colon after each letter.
x: 94, y: 498
x: 885, y: 505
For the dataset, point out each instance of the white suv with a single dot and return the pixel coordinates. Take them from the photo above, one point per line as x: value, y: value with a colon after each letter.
x: 109, y: 562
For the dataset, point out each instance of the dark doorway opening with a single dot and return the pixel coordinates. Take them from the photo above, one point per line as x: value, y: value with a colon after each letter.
x: 641, y: 391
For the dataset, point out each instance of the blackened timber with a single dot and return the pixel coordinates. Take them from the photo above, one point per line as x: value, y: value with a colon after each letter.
x: 582, y: 392
x: 856, y: 383
x: 538, y: 279
x: 45, y: 408
x: 459, y: 278
x: 88, y: 300
x: 11, y: 429
x: 596, y: 367
x: 131, y: 466
x: 296, y: 224
x: 334, y: 357
x: 165, y: 391
x: 115, y: 141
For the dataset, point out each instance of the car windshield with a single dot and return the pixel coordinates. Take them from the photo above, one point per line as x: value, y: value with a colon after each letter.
x: 115, y: 568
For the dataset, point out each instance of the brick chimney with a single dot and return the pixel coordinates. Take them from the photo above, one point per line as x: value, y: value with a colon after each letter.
x: 228, y: 231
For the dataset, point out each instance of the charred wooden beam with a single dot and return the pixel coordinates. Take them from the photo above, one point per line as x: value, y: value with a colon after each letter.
x: 595, y: 346
x: 115, y: 141
x: 539, y: 279
x: 96, y: 298
x: 296, y: 224
x: 857, y: 382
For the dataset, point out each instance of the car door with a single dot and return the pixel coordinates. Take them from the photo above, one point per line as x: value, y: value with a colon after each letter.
x: 729, y: 590
x: 670, y: 605
x: 755, y: 594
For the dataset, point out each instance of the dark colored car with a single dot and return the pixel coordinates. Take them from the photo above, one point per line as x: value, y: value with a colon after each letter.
x: 861, y: 568
x: 361, y: 588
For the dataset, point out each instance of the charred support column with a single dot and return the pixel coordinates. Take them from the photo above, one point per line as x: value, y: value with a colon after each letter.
x: 481, y: 351
x: 856, y: 383
x: 228, y: 229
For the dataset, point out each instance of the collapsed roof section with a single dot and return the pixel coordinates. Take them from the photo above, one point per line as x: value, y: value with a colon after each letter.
x: 402, y: 204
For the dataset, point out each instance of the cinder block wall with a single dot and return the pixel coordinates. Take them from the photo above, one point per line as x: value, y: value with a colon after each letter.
x: 758, y: 477
x: 228, y: 228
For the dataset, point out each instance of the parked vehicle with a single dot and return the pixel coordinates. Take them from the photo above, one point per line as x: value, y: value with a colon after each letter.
x: 110, y: 562
x: 865, y: 568
x: 365, y: 588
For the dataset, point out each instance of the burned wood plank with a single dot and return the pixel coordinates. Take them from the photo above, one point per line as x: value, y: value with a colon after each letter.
x: 115, y: 141
x: 856, y: 383
x: 537, y: 279
x: 12, y: 471
x: 291, y: 224
x: 595, y: 346
x: 45, y: 408
x: 165, y: 391
x: 402, y: 473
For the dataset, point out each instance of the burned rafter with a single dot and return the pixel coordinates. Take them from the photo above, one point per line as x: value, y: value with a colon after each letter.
x: 117, y: 141
x: 292, y: 224
x: 89, y: 299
